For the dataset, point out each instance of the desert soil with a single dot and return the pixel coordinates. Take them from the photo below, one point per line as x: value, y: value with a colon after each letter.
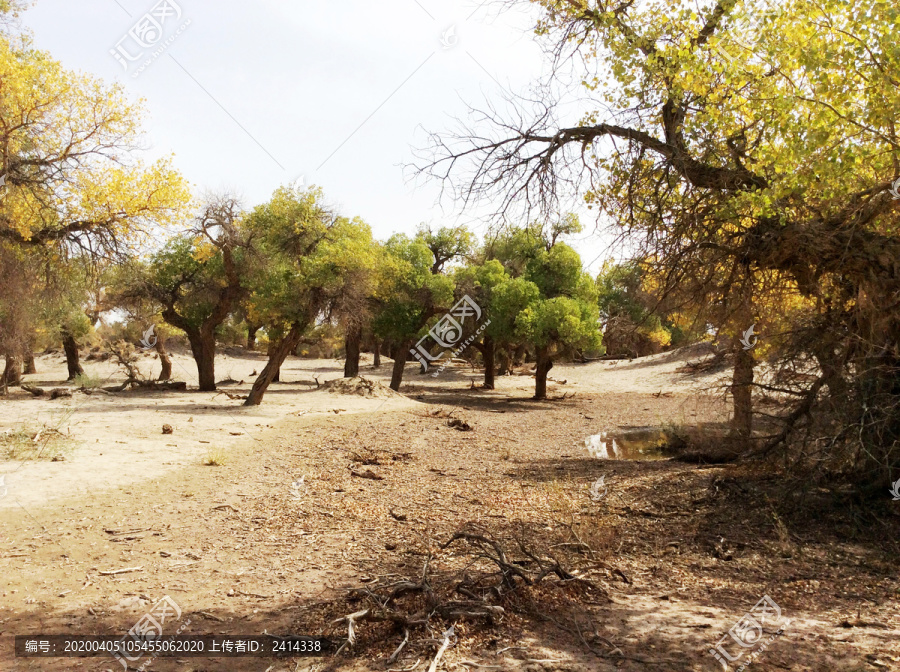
x: 318, y: 495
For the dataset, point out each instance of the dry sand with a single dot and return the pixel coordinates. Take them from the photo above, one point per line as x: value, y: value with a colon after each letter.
x: 116, y: 441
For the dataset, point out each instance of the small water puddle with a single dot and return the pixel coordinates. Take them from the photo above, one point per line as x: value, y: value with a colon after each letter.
x: 634, y: 443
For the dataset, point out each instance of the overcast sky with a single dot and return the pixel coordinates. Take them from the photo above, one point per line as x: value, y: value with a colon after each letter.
x: 252, y: 95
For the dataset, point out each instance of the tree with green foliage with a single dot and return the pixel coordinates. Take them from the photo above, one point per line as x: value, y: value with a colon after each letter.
x: 317, y: 267
x: 565, y: 315
x: 479, y: 282
x: 408, y: 295
x: 509, y: 300
x: 634, y: 320
x: 197, y: 279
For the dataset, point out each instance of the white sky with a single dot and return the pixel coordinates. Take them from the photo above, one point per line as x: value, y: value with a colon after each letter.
x: 252, y: 95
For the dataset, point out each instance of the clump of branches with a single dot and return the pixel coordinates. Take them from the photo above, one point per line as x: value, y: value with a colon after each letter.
x: 842, y: 417
x: 126, y: 356
x: 491, y: 578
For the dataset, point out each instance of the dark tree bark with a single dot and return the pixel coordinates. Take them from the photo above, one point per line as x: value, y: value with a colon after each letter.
x: 742, y: 391
x: 251, y: 336
x: 203, y: 348
x: 352, y: 340
x: 519, y: 355
x: 164, y: 359
x: 30, y: 367
x: 278, y: 352
x: 503, y: 368
x: 377, y: 351
x: 12, y: 372
x: 400, y: 358
x: 544, y: 364
x: 488, y: 350
x: 202, y: 337
x: 73, y: 363
x: 273, y: 346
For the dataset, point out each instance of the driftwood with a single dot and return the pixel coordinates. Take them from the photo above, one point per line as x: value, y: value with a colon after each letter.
x: 35, y: 391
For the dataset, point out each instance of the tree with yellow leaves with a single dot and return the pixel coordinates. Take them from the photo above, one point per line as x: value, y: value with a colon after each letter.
x: 67, y: 177
x: 742, y: 160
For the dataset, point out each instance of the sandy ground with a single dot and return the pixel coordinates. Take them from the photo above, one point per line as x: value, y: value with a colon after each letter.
x: 116, y: 441
x: 679, y: 552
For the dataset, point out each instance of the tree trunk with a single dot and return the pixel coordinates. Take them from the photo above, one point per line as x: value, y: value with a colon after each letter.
x: 277, y: 354
x: 72, y: 360
x: 399, y: 364
x: 164, y: 359
x: 377, y: 351
x: 203, y: 347
x: 488, y: 349
x: 30, y: 367
x: 742, y: 391
x: 352, y: 340
x: 251, y: 336
x: 742, y: 378
x: 12, y: 372
x: 544, y: 364
x: 519, y: 355
x: 273, y: 346
x: 504, y: 367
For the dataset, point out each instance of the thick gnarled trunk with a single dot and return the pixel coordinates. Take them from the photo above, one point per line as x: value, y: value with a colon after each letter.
x: 544, y: 364
x: 252, y: 329
x: 742, y: 392
x: 30, y: 366
x: 400, y: 356
x: 73, y: 361
x: 278, y: 352
x: 488, y: 351
x: 203, y: 347
x: 270, y: 351
x: 352, y: 341
x: 12, y: 372
x: 164, y: 359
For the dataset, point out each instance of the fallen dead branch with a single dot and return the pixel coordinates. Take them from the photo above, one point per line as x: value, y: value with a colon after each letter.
x: 127, y: 358
x: 126, y: 570
x: 490, y: 579
x: 434, y: 663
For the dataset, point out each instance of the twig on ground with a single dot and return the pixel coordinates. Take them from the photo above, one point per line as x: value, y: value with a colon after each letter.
x: 112, y: 572
x: 447, y: 635
x: 399, y: 648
